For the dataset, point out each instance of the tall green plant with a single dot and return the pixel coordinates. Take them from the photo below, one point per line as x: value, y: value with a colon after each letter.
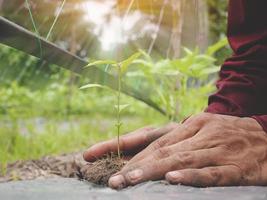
x: 121, y: 69
x: 180, y: 86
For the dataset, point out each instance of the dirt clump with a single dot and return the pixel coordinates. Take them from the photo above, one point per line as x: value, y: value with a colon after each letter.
x: 101, y: 170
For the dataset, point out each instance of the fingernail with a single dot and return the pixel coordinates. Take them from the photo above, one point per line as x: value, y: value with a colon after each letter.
x: 135, y: 174
x: 174, y: 175
x: 117, y: 182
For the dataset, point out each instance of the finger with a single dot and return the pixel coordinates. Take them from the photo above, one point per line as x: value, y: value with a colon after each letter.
x: 135, y: 175
x: 185, y: 119
x: 192, y: 144
x: 160, y: 162
x: 157, y: 133
x: 228, y: 175
x: 127, y: 142
x: 150, y: 137
x: 130, y: 143
x: 182, y: 132
x: 191, y: 159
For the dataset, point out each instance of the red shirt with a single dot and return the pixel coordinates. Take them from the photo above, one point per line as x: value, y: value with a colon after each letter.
x: 242, y: 84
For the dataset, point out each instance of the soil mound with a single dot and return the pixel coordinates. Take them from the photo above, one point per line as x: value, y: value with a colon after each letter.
x: 100, y: 171
x: 66, y: 165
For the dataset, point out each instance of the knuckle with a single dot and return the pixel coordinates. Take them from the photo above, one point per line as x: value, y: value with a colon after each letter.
x: 239, y: 144
x: 187, y: 158
x: 184, y: 160
x: 202, y: 118
x: 161, y: 153
x: 215, y: 175
x: 159, y: 143
x: 189, y: 128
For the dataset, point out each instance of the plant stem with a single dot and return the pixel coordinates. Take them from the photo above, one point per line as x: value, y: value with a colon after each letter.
x: 34, y: 27
x: 118, y: 110
x: 55, y: 20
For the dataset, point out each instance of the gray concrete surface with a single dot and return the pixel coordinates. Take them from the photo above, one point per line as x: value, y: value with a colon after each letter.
x: 67, y: 189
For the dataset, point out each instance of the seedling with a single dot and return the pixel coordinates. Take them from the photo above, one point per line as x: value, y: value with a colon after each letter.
x: 121, y: 68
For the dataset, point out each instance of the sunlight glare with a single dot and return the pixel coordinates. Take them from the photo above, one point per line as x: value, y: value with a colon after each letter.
x: 110, y: 28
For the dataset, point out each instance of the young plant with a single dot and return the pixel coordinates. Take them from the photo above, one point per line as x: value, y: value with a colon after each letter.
x: 180, y: 86
x: 120, y: 68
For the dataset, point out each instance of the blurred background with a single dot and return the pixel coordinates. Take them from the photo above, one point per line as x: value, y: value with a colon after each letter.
x: 42, y: 109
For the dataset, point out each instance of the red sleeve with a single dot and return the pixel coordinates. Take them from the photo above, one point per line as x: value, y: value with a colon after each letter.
x: 242, y: 84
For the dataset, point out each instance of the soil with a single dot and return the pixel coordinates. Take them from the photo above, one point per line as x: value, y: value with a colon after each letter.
x: 66, y: 165
x: 100, y: 171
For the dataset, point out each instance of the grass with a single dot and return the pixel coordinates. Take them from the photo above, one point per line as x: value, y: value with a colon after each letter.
x: 30, y: 141
x: 38, y: 123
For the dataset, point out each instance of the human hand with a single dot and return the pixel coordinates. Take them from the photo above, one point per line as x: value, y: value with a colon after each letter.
x: 130, y: 144
x: 207, y: 150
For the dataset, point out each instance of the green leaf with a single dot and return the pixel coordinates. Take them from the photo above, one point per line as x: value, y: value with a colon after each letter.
x: 162, y: 98
x: 143, y: 63
x: 93, y: 86
x: 146, y: 55
x: 217, y: 46
x: 187, y: 51
x: 136, y: 73
x: 101, y: 62
x: 211, y: 70
x: 126, y: 63
x: 121, y: 107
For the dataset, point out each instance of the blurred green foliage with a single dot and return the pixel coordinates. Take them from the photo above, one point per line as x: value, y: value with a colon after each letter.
x: 25, y: 70
x: 180, y: 86
x: 217, y: 18
x: 58, y: 119
x: 218, y: 26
